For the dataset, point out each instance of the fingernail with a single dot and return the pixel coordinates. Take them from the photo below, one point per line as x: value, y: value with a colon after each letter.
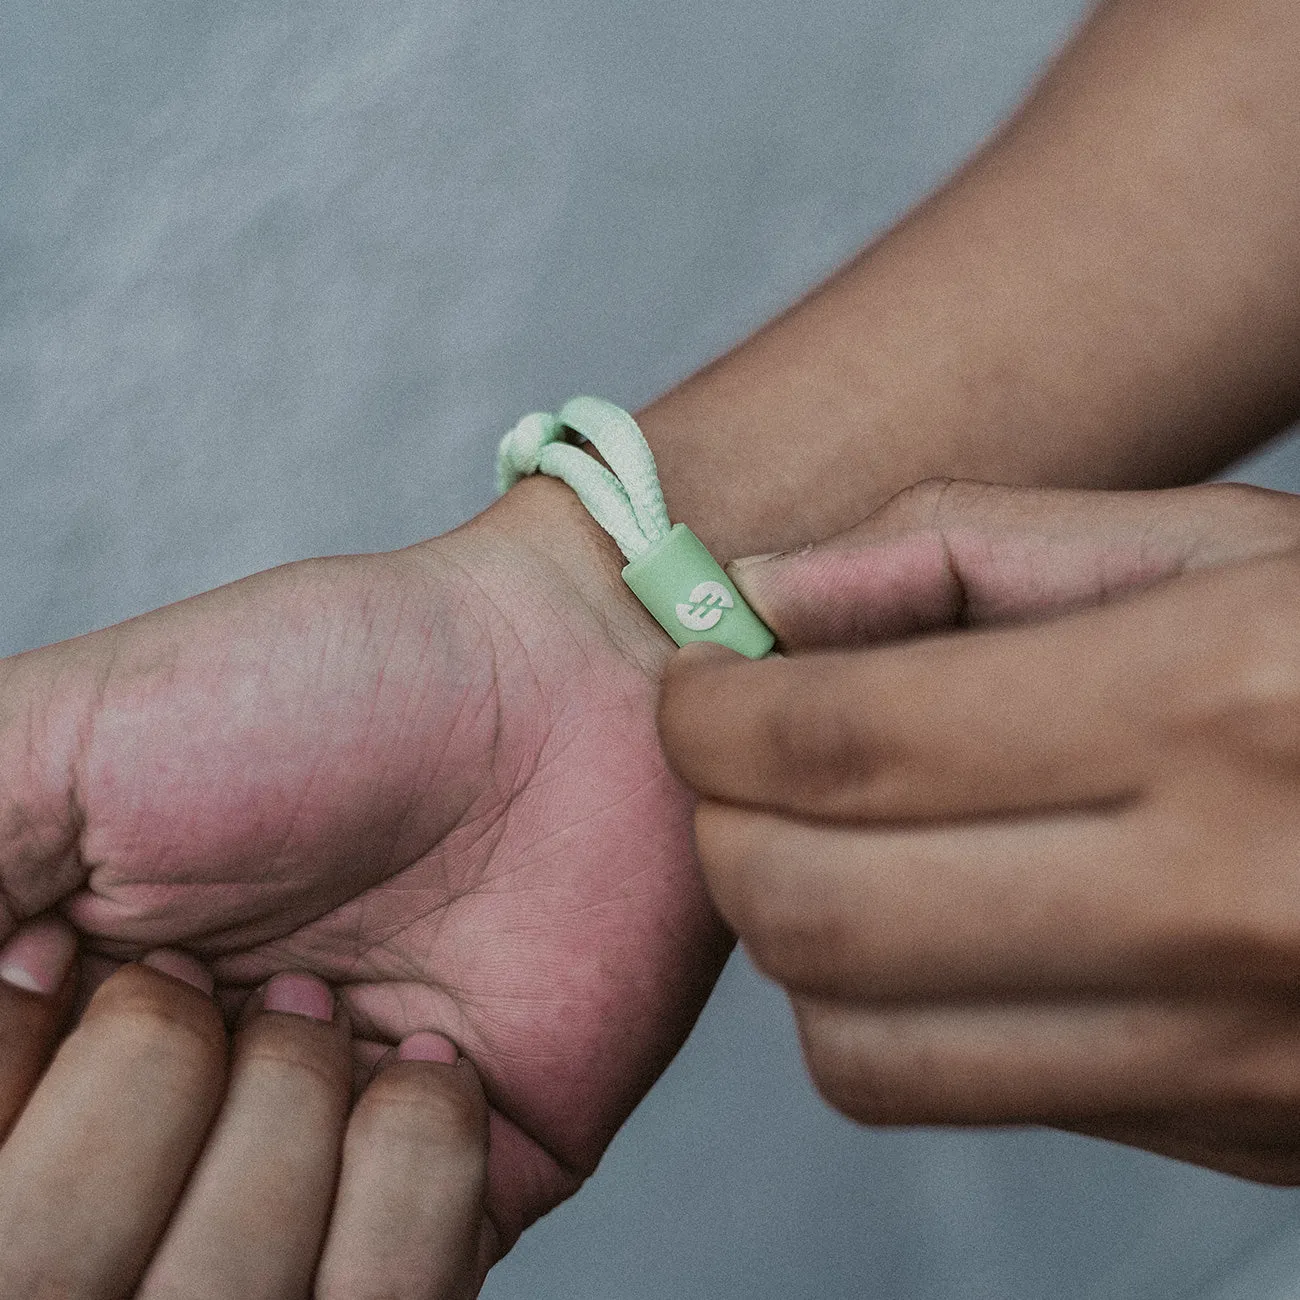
x: 747, y: 561
x: 750, y: 573
x: 37, y: 959
x: 428, y: 1046
x: 296, y: 994
x: 180, y: 966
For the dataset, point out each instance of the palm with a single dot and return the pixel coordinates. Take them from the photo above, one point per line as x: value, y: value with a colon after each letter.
x: 438, y: 789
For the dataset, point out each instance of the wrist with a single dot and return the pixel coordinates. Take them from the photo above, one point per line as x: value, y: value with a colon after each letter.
x: 541, y: 533
x: 717, y: 479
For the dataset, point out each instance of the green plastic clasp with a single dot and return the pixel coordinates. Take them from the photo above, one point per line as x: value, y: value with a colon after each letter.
x: 691, y: 597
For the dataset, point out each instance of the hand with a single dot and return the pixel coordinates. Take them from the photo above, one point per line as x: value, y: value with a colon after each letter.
x: 430, y: 778
x: 137, y: 1166
x: 1040, y: 873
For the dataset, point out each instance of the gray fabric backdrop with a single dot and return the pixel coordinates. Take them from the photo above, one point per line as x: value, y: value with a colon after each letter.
x: 273, y: 277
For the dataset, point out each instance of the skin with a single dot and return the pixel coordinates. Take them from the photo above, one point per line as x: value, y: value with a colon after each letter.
x: 1106, y: 295
x: 431, y: 778
x: 1042, y: 871
x: 153, y: 1158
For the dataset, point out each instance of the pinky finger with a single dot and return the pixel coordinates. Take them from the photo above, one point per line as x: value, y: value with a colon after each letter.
x: 408, y: 1218
x: 35, y: 989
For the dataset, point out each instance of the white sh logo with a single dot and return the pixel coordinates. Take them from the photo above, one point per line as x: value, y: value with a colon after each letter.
x: 704, y: 607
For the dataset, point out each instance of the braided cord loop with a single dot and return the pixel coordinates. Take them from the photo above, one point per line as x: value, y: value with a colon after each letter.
x: 669, y: 570
x: 625, y: 500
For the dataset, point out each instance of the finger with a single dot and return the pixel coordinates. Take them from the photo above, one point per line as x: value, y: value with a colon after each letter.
x: 409, y: 1214
x: 36, y: 984
x: 1261, y: 1143
x: 946, y: 553
x: 1068, y: 903
x: 1091, y: 708
x: 254, y: 1214
x: 99, y: 1156
x: 1057, y: 715
x: 1064, y: 1063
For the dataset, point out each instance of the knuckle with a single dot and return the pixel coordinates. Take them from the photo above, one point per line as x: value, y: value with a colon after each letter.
x: 781, y: 920
x: 919, y: 505
x: 436, y: 1103
x: 1272, y: 515
x: 296, y: 1056
x: 815, y: 742
x: 872, y: 1087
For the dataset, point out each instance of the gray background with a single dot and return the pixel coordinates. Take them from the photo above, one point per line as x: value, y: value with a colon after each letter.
x: 273, y: 278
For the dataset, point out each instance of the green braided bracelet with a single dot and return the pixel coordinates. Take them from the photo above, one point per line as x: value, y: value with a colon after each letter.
x: 668, y: 569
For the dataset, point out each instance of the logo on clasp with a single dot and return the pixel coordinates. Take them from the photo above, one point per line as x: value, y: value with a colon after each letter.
x: 704, y: 607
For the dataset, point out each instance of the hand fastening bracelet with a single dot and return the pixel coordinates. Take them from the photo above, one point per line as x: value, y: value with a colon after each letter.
x: 669, y: 570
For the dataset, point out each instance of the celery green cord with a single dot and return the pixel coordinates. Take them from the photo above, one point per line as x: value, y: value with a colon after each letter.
x: 668, y: 569
x: 625, y: 500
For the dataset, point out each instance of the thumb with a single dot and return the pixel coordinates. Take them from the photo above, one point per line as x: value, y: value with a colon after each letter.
x: 47, y: 702
x: 947, y: 554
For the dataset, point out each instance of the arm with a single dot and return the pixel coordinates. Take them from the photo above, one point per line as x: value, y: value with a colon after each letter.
x: 1107, y: 295
x: 432, y: 778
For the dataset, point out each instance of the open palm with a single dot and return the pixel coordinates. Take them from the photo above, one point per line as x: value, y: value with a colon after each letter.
x: 430, y: 777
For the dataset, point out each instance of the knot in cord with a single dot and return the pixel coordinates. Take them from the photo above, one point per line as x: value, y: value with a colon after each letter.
x: 625, y: 499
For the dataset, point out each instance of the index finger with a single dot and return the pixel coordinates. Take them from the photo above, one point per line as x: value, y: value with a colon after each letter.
x: 946, y: 553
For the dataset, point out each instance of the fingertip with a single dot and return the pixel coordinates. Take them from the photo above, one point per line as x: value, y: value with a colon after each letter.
x: 722, y: 831
x: 705, y: 712
x: 37, y: 958
x: 694, y: 675
x: 36, y: 986
x: 180, y: 966
x: 429, y: 1099
x: 703, y: 654
x: 754, y: 574
x: 409, y: 1215
x: 704, y: 703
x: 296, y: 993
x: 425, y: 1045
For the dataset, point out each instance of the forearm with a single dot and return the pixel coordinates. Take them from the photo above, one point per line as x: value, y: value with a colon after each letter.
x: 1107, y: 295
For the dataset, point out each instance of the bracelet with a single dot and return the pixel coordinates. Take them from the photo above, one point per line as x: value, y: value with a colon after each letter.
x: 668, y: 568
